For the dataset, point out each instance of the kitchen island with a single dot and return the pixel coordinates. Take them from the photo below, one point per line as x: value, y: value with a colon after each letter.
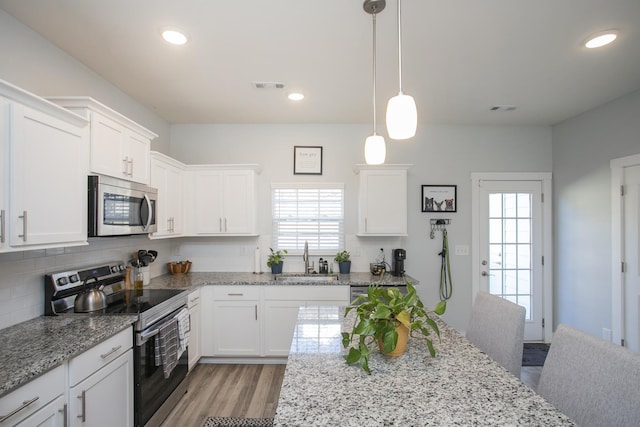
x: 460, y: 386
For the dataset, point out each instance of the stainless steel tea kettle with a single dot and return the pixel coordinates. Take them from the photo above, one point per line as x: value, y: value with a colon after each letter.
x: 90, y: 298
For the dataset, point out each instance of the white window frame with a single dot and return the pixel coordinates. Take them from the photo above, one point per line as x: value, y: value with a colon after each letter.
x: 301, y: 186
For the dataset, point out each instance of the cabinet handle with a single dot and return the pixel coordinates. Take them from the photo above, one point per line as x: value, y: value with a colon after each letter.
x: 109, y: 353
x: 2, y: 226
x: 131, y: 167
x: 83, y: 396
x: 225, y: 225
x: 63, y: 411
x: 365, y: 225
x: 235, y: 295
x: 220, y: 224
x: 125, y: 167
x: 173, y: 224
x: 256, y: 306
x: 24, y: 226
x: 15, y: 411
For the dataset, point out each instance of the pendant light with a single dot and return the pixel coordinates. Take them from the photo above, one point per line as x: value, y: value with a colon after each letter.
x: 375, y: 150
x: 402, y: 116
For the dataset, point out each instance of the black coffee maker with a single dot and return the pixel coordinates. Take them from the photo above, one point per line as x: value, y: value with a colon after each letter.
x: 397, y: 261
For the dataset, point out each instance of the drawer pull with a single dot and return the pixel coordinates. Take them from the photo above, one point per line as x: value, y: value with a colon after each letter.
x: 109, y: 353
x: 194, y: 299
x: 235, y: 295
x: 26, y: 403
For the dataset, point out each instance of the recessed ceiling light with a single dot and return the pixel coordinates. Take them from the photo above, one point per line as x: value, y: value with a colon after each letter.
x: 295, y: 96
x: 601, y: 39
x: 174, y: 36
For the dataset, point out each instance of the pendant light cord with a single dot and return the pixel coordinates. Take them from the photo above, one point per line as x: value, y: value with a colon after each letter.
x: 374, y: 70
x: 399, y: 46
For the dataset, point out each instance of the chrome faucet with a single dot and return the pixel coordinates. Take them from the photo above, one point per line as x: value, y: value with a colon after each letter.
x: 305, y: 257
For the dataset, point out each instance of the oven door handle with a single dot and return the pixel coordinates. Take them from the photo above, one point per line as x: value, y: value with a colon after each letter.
x: 144, y: 336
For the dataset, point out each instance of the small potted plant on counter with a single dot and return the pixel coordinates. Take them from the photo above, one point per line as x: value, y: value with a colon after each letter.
x: 343, y: 258
x: 275, y: 260
x: 386, y: 317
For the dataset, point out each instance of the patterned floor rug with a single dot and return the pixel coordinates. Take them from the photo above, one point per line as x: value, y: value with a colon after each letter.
x: 534, y: 354
x: 238, y: 422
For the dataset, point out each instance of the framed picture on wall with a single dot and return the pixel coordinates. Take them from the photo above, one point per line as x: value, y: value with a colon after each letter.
x: 307, y: 160
x: 439, y: 198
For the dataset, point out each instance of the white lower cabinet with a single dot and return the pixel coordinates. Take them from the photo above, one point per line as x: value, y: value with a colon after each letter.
x: 258, y: 321
x: 231, y: 321
x: 39, y: 402
x: 103, y: 374
x: 195, y: 312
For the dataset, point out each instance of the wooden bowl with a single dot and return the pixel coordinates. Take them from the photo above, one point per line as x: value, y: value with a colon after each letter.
x: 181, y: 267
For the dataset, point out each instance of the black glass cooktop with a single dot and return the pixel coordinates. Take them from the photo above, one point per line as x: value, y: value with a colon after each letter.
x: 137, y: 301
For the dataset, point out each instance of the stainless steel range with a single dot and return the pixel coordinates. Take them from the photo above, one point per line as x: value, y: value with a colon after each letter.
x: 155, y: 394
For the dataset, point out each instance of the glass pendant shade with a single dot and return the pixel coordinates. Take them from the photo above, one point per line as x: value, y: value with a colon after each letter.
x: 375, y: 150
x: 402, y: 117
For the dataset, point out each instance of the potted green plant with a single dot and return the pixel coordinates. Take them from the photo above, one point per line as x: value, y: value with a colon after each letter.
x: 275, y: 260
x: 343, y: 258
x: 385, y: 317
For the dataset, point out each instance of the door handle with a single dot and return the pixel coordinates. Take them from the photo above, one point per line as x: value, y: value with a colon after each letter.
x: 83, y: 396
x: 24, y: 226
x: 150, y: 218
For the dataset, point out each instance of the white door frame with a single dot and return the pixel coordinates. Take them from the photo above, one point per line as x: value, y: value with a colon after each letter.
x: 547, y: 236
x: 617, y: 245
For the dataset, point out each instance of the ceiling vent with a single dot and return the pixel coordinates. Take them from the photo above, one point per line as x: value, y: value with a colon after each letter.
x: 268, y: 85
x: 503, y: 107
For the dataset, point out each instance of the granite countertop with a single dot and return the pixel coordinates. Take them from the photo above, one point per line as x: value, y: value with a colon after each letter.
x: 193, y: 280
x: 460, y: 386
x: 31, y: 348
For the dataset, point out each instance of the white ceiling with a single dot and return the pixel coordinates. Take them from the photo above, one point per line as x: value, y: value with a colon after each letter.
x: 460, y: 56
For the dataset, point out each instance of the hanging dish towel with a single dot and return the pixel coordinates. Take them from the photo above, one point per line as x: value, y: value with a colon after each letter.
x: 184, y: 327
x: 167, y: 346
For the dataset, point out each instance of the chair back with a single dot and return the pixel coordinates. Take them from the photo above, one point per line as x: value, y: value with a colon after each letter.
x: 497, y: 328
x: 592, y: 381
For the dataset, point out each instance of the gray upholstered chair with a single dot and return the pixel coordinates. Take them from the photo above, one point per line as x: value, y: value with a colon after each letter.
x: 497, y: 328
x: 594, y: 382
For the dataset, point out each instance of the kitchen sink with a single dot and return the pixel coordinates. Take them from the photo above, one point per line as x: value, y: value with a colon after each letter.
x: 300, y: 277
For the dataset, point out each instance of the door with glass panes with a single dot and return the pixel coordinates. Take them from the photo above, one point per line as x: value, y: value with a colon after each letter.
x: 510, y: 259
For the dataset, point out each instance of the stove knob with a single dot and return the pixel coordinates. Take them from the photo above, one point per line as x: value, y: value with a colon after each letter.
x: 114, y: 268
x: 122, y: 267
x: 74, y: 278
x: 62, y: 281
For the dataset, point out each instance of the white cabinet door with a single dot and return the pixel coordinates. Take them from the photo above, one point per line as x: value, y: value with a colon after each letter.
x: 231, y: 321
x: 223, y: 202
x: 195, y: 310
x: 4, y: 172
x: 106, y: 397
x: 239, y: 202
x: 107, y: 140
x: 383, y: 202
x: 280, y: 319
x: 52, y: 415
x: 48, y: 178
x: 168, y: 180
x: 207, y: 202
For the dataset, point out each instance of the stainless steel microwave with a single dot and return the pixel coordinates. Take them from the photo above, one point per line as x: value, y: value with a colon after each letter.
x: 118, y: 207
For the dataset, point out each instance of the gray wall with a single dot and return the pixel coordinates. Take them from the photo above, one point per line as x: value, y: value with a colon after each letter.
x: 439, y: 155
x: 582, y: 150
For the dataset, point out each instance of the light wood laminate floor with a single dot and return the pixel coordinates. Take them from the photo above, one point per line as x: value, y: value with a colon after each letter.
x: 247, y: 391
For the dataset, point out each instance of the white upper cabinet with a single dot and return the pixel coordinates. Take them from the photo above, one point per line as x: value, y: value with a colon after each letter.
x: 119, y: 147
x: 44, y: 151
x: 382, y: 200
x: 222, y: 200
x: 167, y: 175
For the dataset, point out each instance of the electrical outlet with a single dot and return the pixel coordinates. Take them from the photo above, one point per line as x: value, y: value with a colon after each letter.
x: 462, y: 250
x: 606, y: 334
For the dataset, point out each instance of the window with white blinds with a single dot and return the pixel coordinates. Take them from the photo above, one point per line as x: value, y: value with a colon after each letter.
x: 308, y: 212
